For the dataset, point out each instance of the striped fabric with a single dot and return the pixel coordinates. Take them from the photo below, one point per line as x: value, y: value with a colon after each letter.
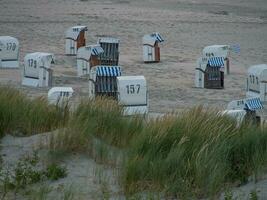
x: 157, y: 36
x: 108, y: 71
x: 216, y: 62
x: 253, y: 104
x: 95, y: 51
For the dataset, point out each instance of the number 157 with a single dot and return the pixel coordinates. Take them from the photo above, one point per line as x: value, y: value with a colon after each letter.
x: 132, y: 89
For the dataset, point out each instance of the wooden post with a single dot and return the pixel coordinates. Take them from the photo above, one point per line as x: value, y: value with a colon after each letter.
x: 227, y: 66
x: 81, y: 40
x: 50, y: 77
x: 157, y: 55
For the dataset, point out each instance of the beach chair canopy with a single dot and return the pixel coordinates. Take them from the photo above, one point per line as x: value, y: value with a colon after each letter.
x: 216, y: 51
x: 96, y: 50
x: 9, y: 47
x: 56, y: 90
x: 87, y: 51
x: 216, y: 62
x: 151, y: 39
x: 253, y: 104
x: 33, y: 62
x: 58, y: 95
x: 258, y: 71
x: 108, y: 40
x: 73, y: 32
x: 40, y: 58
x: 108, y: 71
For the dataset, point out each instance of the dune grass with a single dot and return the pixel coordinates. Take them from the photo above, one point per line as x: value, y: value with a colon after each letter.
x: 101, y: 118
x: 198, y: 153
x: 25, y: 116
x: 195, y: 154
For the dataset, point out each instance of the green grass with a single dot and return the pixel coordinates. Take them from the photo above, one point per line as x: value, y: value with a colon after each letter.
x: 41, y: 193
x: 19, y: 114
x: 195, y: 154
x: 55, y: 172
x: 69, y: 193
x: 101, y: 118
x: 27, y: 172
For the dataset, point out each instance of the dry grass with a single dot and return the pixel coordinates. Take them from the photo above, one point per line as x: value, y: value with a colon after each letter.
x: 101, y: 118
x: 195, y: 154
x: 19, y: 114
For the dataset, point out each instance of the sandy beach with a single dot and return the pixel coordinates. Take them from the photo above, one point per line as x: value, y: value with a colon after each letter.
x: 187, y: 27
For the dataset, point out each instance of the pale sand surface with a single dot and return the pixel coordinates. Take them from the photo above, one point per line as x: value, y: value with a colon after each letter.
x: 84, y: 175
x: 186, y: 25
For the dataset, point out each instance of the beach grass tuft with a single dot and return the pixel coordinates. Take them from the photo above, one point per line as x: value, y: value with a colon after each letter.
x: 196, y: 154
x: 24, y: 116
x: 101, y: 118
